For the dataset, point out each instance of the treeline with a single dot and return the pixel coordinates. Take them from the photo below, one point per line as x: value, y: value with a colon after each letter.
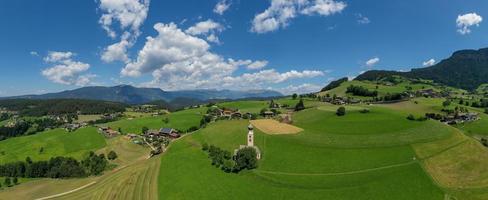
x: 361, y: 91
x: 33, y: 107
x: 17, y: 130
x: 56, y: 167
x: 28, y: 127
x: 223, y: 159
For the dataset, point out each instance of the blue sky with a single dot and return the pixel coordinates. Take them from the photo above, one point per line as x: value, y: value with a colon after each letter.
x: 285, y: 45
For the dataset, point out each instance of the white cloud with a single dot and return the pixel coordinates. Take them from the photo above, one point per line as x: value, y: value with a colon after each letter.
x: 65, y: 70
x: 208, y: 28
x: 178, y: 60
x: 300, y: 89
x: 221, y: 7
x: 116, y: 52
x: 204, y: 27
x: 373, y: 61
x: 362, y: 19
x: 428, y: 63
x: 257, y: 64
x: 464, y: 22
x: 281, y: 12
x: 34, y: 53
x: 130, y: 15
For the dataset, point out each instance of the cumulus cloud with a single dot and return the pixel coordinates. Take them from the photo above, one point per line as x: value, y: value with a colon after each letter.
x: 221, y: 7
x: 178, y: 60
x: 464, y: 22
x: 281, y: 12
x: 361, y: 19
x: 65, y: 70
x: 34, y: 53
x: 300, y: 89
x: 116, y: 52
x: 372, y: 62
x: 428, y: 63
x: 204, y: 27
x: 130, y: 15
x: 208, y: 28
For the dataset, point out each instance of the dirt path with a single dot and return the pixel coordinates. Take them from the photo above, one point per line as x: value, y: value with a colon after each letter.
x: 337, y: 173
x: 68, y: 192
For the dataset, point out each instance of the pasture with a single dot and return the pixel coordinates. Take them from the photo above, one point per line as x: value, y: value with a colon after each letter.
x: 134, y: 178
x: 181, y: 120
x: 57, y: 142
x: 338, y: 157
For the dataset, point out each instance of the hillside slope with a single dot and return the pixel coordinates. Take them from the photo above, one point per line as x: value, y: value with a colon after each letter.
x: 466, y: 69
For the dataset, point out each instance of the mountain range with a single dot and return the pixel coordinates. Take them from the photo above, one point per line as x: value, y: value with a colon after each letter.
x: 466, y: 69
x: 133, y: 95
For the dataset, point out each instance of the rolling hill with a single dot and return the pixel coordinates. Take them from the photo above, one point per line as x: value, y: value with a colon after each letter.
x: 133, y: 95
x: 466, y: 69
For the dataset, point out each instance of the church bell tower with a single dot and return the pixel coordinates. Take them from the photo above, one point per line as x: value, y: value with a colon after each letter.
x: 250, y: 136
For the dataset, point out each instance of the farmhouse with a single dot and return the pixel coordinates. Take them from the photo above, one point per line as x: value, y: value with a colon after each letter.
x: 428, y: 93
x: 250, y: 142
x: 108, y: 132
x: 268, y: 114
x: 170, y: 132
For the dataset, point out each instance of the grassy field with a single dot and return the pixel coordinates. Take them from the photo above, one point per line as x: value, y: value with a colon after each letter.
x: 334, y: 157
x: 87, y: 118
x: 134, y: 178
x: 270, y: 126
x: 181, y: 120
x: 55, y: 142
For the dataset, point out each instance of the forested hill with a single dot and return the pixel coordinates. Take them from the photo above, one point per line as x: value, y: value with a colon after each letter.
x: 36, y: 107
x: 466, y: 69
x: 133, y: 95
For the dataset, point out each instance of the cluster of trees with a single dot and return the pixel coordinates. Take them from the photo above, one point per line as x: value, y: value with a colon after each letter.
x: 33, y: 107
x: 5, y: 116
x: 57, y: 167
x: 392, y: 97
x: 361, y: 91
x: 413, y: 118
x: 484, y: 142
x: 19, y: 129
x: 341, y: 111
x: 300, y: 106
x: 10, y: 181
x: 223, y: 159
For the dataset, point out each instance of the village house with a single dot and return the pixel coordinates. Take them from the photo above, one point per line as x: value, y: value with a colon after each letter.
x: 268, y: 114
x: 428, y: 93
x: 170, y: 132
x: 108, y: 132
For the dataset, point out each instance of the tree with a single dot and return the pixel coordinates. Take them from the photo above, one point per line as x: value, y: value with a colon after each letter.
x: 411, y: 117
x: 246, y: 159
x: 166, y: 120
x: 204, y: 146
x: 15, y: 180
x: 294, y: 96
x: 299, y: 106
x: 446, y: 103
x: 144, y: 130
x: 7, y: 181
x: 28, y: 160
x: 486, y: 110
x: 112, y: 155
x: 228, y: 166
x: 41, y: 150
x: 341, y: 111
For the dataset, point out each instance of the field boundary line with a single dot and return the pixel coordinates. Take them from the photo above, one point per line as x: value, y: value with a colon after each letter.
x: 68, y: 192
x: 444, y: 150
x: 337, y: 173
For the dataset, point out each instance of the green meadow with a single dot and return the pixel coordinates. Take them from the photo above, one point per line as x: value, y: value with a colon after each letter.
x: 338, y: 157
x: 181, y: 120
x: 55, y: 142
